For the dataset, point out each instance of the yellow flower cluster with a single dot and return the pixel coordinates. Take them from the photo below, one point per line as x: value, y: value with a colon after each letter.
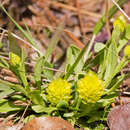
x: 14, y: 59
x: 90, y: 88
x: 120, y: 22
x: 59, y: 90
x: 127, y: 51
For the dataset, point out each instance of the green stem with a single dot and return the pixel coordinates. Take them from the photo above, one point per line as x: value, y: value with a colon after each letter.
x: 78, y: 103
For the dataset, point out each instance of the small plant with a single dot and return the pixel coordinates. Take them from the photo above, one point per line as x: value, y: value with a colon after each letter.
x: 79, y: 95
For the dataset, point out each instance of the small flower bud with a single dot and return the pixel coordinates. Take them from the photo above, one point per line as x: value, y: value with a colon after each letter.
x: 14, y: 59
x: 120, y: 22
x: 127, y: 51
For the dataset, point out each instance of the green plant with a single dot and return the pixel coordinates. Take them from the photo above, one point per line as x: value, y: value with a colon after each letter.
x: 80, y: 99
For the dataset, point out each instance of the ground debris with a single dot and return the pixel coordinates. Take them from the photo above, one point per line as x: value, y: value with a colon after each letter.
x: 119, y: 117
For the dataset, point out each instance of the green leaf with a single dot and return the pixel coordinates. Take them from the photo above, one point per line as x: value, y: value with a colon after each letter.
x: 13, y: 46
x: 22, y: 73
x: 127, y: 33
x: 1, y: 44
x: 124, y: 61
x: 117, y: 83
x: 91, y: 62
x: 98, y: 47
x: 72, y: 54
x: 112, y: 54
x: 6, y: 106
x: 4, y: 63
x: 77, y: 60
x: 16, y: 87
x: 5, y: 93
x: 85, y: 109
x: 62, y: 104
x: 18, y: 97
x: 38, y: 71
x: 102, y: 64
x: 106, y: 100
x: 99, y: 127
x: 122, y: 42
x: 41, y: 109
x: 46, y: 72
x: 70, y: 114
x: 95, y: 116
x: 55, y: 39
x: 5, y: 90
x: 29, y: 118
x: 35, y: 96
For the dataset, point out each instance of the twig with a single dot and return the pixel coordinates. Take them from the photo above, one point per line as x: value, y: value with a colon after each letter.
x: 89, y: 48
x: 24, y: 112
x: 10, y: 79
x: 53, y: 28
x: 77, y: 42
x: 75, y: 9
x: 127, y: 93
x: 2, y: 35
x: 107, y: 19
x: 121, y: 10
x: 79, y: 16
x: 46, y: 80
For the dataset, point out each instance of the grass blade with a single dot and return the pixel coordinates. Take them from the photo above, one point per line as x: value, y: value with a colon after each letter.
x: 54, y: 41
x: 38, y: 71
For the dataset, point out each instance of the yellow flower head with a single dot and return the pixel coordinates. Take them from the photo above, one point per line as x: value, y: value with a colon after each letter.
x: 120, y: 22
x: 14, y: 59
x: 127, y: 51
x: 59, y: 90
x: 90, y: 88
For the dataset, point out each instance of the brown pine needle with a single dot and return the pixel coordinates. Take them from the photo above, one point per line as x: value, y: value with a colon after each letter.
x: 80, y: 18
x: 107, y: 19
x: 77, y: 42
x: 71, y: 8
